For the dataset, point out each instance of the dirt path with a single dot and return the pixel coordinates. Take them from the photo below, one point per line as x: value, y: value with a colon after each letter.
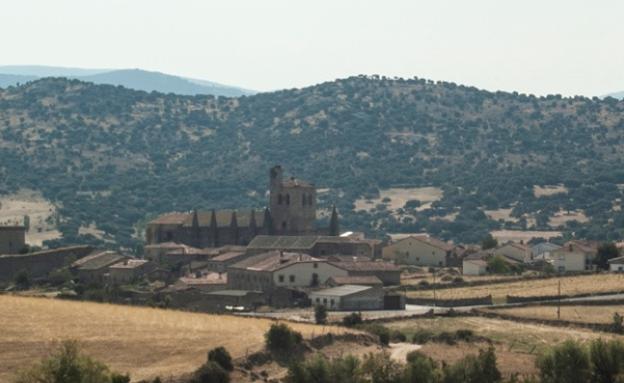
x: 399, y: 351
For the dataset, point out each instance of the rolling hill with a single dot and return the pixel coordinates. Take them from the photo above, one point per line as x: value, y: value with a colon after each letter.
x: 136, y: 79
x: 618, y: 95
x: 115, y: 157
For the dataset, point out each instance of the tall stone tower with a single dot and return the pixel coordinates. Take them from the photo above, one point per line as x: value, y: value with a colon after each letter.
x: 293, y: 204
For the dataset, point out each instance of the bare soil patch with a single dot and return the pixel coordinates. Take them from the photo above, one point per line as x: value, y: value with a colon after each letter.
x: 523, y: 235
x: 399, y: 196
x: 562, y: 217
x: 548, y: 190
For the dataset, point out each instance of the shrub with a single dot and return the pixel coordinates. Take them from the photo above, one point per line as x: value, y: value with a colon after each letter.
x: 68, y: 365
x: 222, y: 357
x: 319, y: 370
x: 464, y: 335
x: 420, y: 368
x: 22, y: 280
x: 352, y: 319
x: 422, y: 336
x: 458, y: 280
x: 481, y: 368
x: 282, y: 339
x: 607, y: 360
x: 617, y: 325
x: 397, y: 336
x: 210, y: 372
x: 376, y: 329
x: 320, y: 314
x: 564, y: 363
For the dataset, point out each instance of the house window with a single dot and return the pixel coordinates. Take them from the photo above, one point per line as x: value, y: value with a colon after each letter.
x: 284, y: 225
x: 315, y: 265
x: 292, y: 278
x: 280, y: 278
x: 331, y: 302
x: 303, y: 200
x: 287, y: 199
x: 324, y: 301
x: 318, y: 300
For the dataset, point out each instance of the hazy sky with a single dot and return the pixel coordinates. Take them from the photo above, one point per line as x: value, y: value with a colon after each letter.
x: 546, y: 46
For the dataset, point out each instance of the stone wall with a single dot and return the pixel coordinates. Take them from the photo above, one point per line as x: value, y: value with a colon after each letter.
x: 12, y: 239
x: 40, y: 263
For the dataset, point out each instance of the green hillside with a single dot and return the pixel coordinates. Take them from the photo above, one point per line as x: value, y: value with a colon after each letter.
x: 115, y: 157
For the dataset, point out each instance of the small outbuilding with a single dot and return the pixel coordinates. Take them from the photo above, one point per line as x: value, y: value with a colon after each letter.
x: 616, y: 264
x: 349, y: 297
x: 474, y: 267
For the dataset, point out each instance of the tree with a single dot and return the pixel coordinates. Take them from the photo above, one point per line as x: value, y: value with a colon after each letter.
x: 22, y: 280
x: 497, y: 265
x: 210, y: 372
x: 352, y: 319
x: 617, y: 325
x: 222, y: 357
x: 607, y: 360
x: 320, y: 314
x: 567, y: 362
x: 282, y: 339
x: 68, y: 365
x: 420, y: 369
x: 605, y: 252
x: 489, y: 242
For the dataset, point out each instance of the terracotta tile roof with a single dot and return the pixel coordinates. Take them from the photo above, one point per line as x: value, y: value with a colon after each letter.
x: 129, y: 264
x: 270, y: 242
x: 227, y: 256
x: 98, y: 260
x: 273, y: 260
x: 429, y: 240
x: 170, y: 219
x: 366, y: 266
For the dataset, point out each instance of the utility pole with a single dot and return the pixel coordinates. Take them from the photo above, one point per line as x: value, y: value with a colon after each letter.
x: 559, y: 298
x: 434, y: 290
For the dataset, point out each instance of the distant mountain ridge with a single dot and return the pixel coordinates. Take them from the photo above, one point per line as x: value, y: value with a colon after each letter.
x: 136, y: 79
x: 618, y: 95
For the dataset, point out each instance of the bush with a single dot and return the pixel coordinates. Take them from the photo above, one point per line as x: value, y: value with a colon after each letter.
x: 68, y: 365
x: 564, y: 363
x: 420, y: 368
x: 422, y: 336
x: 22, y: 280
x: 481, y: 368
x: 319, y: 370
x: 320, y: 314
x: 210, y: 372
x: 607, y: 360
x: 352, y: 319
x: 222, y: 357
x: 617, y: 325
x: 397, y: 336
x: 282, y: 339
x: 376, y: 329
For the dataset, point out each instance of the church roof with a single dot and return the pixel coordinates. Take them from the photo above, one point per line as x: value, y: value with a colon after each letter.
x: 223, y: 218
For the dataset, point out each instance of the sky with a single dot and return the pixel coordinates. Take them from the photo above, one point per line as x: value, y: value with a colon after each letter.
x: 569, y: 47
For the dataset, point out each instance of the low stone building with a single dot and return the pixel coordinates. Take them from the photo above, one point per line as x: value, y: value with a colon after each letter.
x: 388, y: 273
x: 474, y: 267
x: 12, y: 239
x: 616, y: 264
x: 349, y: 297
x: 94, y: 268
x: 129, y: 270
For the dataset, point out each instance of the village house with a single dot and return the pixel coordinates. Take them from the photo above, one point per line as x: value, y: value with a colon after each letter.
x: 129, y: 270
x: 517, y: 251
x: 388, y: 273
x: 419, y: 250
x: 349, y: 297
x: 276, y: 269
x: 575, y: 255
x: 94, y: 268
x: 221, y: 262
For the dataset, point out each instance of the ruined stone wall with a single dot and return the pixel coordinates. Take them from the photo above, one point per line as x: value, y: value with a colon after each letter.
x: 39, y: 264
x: 12, y: 239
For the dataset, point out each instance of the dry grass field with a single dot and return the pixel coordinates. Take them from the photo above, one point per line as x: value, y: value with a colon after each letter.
x: 561, y: 217
x: 517, y: 344
x: 548, y: 190
x: 399, y: 196
x: 523, y: 235
x: 582, y: 284
x: 14, y: 207
x: 585, y: 314
x: 145, y: 342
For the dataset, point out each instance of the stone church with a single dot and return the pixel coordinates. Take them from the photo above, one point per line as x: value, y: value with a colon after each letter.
x: 291, y: 211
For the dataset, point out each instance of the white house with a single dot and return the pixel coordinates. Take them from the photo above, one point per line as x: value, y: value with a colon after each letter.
x: 513, y: 250
x: 474, y: 267
x: 418, y: 250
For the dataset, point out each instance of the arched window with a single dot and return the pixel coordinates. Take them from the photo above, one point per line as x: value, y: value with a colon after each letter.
x: 287, y: 199
x: 279, y: 199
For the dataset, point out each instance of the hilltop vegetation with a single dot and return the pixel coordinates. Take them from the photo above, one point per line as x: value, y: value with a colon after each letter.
x: 115, y: 157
